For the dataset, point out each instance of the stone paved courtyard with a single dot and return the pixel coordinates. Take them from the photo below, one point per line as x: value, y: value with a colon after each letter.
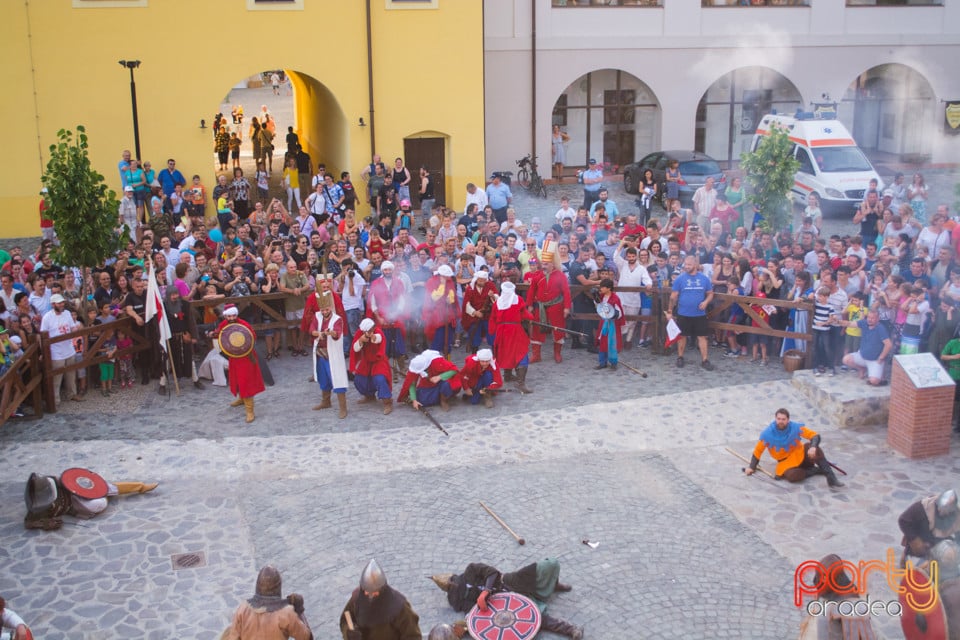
x: 689, y: 547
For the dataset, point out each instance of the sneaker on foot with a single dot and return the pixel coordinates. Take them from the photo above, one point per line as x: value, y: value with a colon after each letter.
x: 731, y: 354
x: 817, y: 373
x: 706, y: 364
x: 832, y: 373
x: 680, y: 363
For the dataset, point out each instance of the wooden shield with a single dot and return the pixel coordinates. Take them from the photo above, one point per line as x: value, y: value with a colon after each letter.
x: 236, y: 340
x: 509, y: 616
x: 84, y: 483
x: 929, y: 625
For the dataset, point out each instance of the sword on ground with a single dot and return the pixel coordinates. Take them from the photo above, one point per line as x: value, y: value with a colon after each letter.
x: 424, y: 411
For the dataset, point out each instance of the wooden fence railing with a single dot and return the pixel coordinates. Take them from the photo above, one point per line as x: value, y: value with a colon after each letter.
x: 256, y: 307
x: 91, y: 355
x: 717, y: 316
x: 21, y: 381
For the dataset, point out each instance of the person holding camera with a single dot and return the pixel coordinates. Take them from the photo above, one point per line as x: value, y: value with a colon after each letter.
x: 352, y: 288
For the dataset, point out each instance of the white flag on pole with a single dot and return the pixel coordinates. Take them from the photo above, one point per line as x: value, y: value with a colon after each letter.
x: 155, y: 307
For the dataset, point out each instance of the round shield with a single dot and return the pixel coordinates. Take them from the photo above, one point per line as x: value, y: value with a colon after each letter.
x: 84, y: 483
x: 934, y: 621
x: 509, y: 616
x: 606, y: 310
x: 236, y: 340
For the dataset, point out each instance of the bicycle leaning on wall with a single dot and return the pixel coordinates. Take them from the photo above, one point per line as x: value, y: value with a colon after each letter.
x: 529, y: 178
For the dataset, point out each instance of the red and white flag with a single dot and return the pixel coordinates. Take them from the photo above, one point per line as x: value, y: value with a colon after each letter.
x: 673, y: 333
x: 155, y: 307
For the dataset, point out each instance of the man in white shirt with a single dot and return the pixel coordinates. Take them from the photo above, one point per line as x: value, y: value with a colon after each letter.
x: 170, y: 253
x: 58, y: 322
x: 352, y: 294
x: 10, y: 620
x: 704, y: 200
x: 475, y: 196
x: 632, y: 274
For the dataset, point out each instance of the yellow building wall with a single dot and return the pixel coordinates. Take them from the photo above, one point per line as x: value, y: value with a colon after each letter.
x: 427, y: 63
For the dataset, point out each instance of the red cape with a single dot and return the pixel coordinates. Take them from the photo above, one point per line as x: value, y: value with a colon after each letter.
x: 372, y: 359
x: 244, y: 373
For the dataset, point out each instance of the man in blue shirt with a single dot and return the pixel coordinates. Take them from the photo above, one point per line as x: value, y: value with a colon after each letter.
x: 609, y: 205
x: 875, y: 345
x: 592, y: 178
x: 499, y: 197
x: 692, y: 293
x: 171, y: 177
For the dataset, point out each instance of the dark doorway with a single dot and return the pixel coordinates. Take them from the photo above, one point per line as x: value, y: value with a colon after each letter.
x: 429, y: 152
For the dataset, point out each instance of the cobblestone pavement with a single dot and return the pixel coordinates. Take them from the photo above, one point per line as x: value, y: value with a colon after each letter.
x: 646, y: 475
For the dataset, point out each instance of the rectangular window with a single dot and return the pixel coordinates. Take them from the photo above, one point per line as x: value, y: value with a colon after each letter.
x: 754, y: 3
x: 275, y: 5
x: 894, y: 3
x: 412, y: 4
x: 101, y: 4
x: 560, y: 111
x: 607, y: 3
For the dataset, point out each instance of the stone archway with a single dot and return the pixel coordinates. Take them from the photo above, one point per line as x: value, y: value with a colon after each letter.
x: 610, y: 115
x: 730, y: 109
x: 890, y: 109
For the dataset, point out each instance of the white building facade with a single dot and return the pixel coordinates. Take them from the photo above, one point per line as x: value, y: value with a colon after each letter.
x: 623, y: 78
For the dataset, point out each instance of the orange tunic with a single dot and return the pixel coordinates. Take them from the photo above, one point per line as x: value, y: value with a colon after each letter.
x: 786, y: 447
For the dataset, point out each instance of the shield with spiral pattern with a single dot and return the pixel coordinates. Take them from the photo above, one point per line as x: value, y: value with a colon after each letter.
x: 508, y: 616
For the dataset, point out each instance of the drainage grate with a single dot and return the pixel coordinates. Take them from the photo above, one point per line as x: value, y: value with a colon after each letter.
x: 193, y: 560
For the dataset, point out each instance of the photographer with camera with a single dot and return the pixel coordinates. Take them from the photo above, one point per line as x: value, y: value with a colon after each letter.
x: 352, y: 288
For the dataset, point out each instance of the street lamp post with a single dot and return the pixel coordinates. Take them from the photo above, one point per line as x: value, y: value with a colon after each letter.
x: 131, y: 65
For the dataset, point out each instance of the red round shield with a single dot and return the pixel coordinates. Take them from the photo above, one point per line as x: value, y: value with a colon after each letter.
x: 509, y: 616
x: 84, y: 483
x: 934, y: 620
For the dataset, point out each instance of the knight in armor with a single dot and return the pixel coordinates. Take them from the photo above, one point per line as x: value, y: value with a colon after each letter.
x: 377, y: 611
x: 443, y: 631
x: 327, y: 328
x: 928, y: 521
x: 947, y: 555
x: 836, y: 627
x: 537, y: 581
x: 510, y: 343
x: 370, y: 365
x: 183, y: 327
x: 796, y: 460
x: 480, y: 376
x: 246, y: 380
x: 478, y: 297
x: 387, y: 306
x: 431, y: 380
x: 49, y: 497
x: 268, y: 615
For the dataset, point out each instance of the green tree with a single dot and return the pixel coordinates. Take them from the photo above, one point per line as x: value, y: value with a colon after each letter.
x: 769, y: 172
x: 83, y: 209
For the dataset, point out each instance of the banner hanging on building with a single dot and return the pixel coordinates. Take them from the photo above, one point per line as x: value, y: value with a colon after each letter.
x: 951, y: 117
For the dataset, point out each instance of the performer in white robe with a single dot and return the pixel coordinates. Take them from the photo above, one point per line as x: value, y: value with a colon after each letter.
x: 330, y: 366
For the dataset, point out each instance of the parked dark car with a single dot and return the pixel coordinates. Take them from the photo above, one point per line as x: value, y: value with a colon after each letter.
x: 695, y: 168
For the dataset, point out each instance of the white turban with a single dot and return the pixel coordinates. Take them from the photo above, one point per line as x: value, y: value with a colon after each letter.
x: 420, y: 363
x: 230, y: 310
x: 366, y: 324
x: 386, y: 264
x: 445, y: 271
x: 508, y: 296
x: 485, y: 355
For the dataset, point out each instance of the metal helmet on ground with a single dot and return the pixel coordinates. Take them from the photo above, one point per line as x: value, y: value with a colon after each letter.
x: 443, y: 580
x: 947, y: 503
x: 442, y: 631
x: 947, y: 555
x: 372, y: 579
x: 268, y: 581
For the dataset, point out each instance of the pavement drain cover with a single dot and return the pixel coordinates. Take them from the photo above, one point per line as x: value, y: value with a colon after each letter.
x: 188, y: 560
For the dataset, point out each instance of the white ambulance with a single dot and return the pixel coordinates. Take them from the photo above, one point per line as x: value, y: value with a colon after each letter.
x: 831, y: 164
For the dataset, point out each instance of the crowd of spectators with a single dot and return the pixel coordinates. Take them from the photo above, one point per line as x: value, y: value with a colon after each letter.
x: 895, y: 263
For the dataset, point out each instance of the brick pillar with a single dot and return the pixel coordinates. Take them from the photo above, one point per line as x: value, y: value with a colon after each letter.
x: 921, y: 406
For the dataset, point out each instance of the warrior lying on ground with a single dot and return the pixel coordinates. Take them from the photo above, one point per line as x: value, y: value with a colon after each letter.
x: 77, y: 492
x: 537, y: 581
